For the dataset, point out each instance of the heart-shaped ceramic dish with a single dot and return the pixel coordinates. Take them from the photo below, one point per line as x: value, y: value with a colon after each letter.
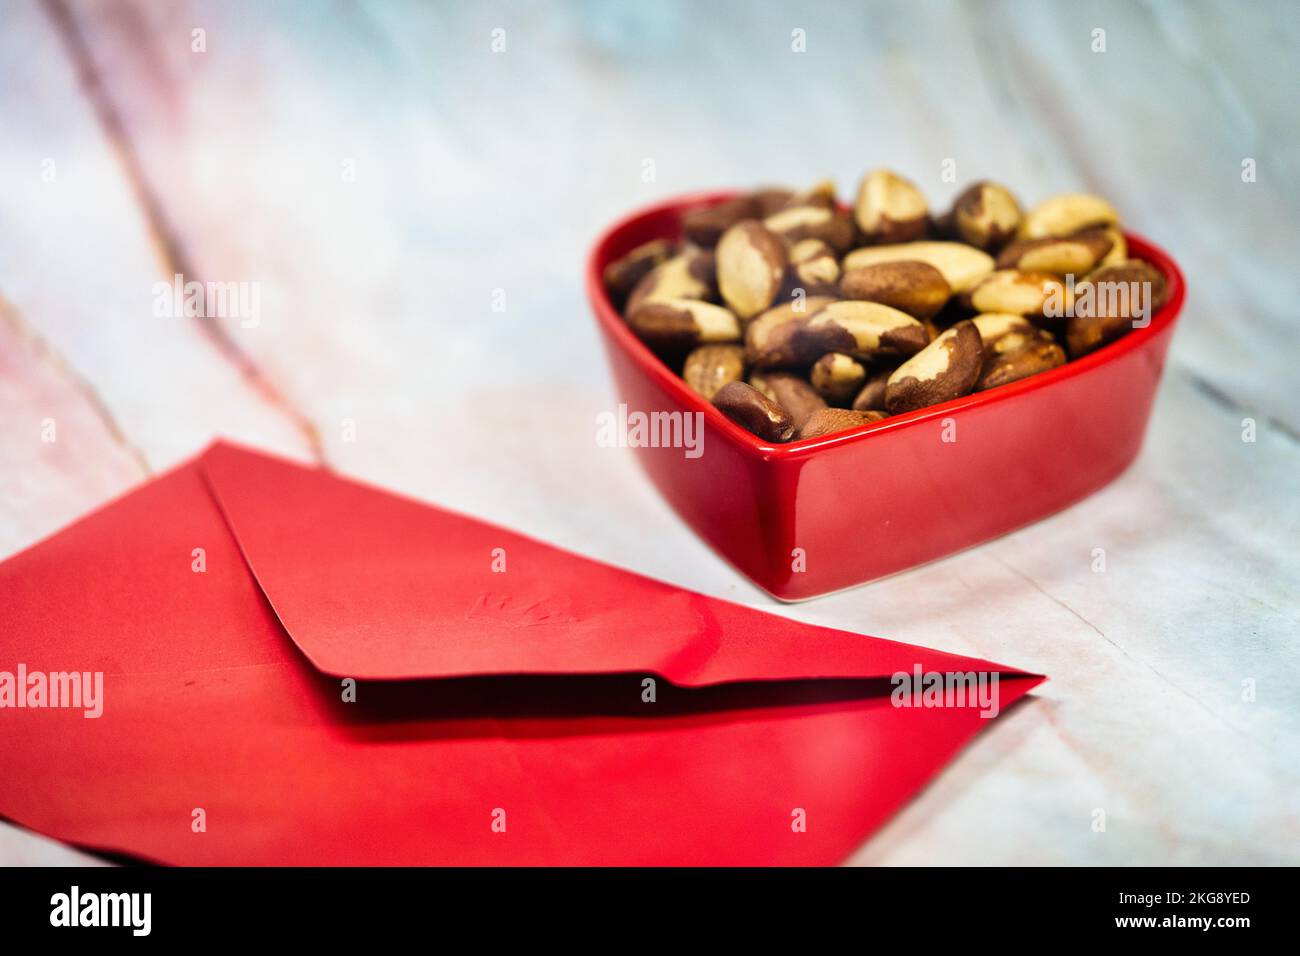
x: 819, y: 515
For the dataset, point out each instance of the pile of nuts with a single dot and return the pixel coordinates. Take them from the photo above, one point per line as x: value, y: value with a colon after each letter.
x: 798, y: 319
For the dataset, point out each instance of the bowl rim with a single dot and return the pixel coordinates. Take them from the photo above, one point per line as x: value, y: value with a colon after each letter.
x: 614, y: 325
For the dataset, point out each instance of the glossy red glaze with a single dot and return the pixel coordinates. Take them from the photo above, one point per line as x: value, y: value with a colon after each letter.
x: 869, y: 502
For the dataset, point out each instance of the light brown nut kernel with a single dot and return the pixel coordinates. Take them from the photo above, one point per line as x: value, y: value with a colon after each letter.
x: 912, y: 286
x: 687, y: 275
x: 769, y: 338
x: 1077, y: 254
x: 890, y: 208
x: 1066, y: 214
x: 862, y: 329
x: 683, y: 324
x: 872, y: 395
x: 622, y: 275
x: 751, y: 264
x: 1118, y: 246
x: 945, y: 369
x: 705, y: 226
x: 831, y: 420
x: 961, y: 265
x: 812, y: 222
x: 813, y: 264
x: 1000, y: 331
x: 1038, y: 354
x: 986, y: 215
x: 792, y: 392
x: 710, y: 367
x: 1024, y: 293
x: 749, y: 409
x: 837, y: 377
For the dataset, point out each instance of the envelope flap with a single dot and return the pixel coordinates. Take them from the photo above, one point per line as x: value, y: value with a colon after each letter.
x: 372, y: 585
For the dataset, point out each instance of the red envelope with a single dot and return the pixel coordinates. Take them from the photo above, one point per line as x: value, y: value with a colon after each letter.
x: 501, y: 712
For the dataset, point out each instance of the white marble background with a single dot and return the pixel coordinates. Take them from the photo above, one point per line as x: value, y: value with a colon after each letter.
x: 477, y: 171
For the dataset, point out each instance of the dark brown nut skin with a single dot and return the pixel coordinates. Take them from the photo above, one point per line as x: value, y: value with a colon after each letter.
x: 709, y: 367
x: 914, y: 287
x: 1108, y: 302
x: 952, y: 313
x: 690, y: 274
x: 622, y: 275
x: 1087, y: 333
x: 705, y: 227
x: 872, y: 395
x: 1076, y: 254
x: 1131, y: 276
x: 1118, y: 245
x: 1039, y: 354
x: 837, y: 377
x: 831, y: 420
x: 945, y: 369
x: 860, y: 329
x: 985, y: 215
x: 751, y: 264
x: 683, y: 324
x: 770, y: 199
x: 791, y: 392
x: 944, y: 226
x: 769, y: 338
x: 813, y: 222
x: 748, y: 408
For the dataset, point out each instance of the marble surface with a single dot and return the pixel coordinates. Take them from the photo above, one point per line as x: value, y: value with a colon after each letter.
x: 380, y: 172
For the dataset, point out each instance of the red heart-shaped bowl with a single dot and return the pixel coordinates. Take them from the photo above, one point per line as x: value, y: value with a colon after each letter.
x: 815, y: 516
